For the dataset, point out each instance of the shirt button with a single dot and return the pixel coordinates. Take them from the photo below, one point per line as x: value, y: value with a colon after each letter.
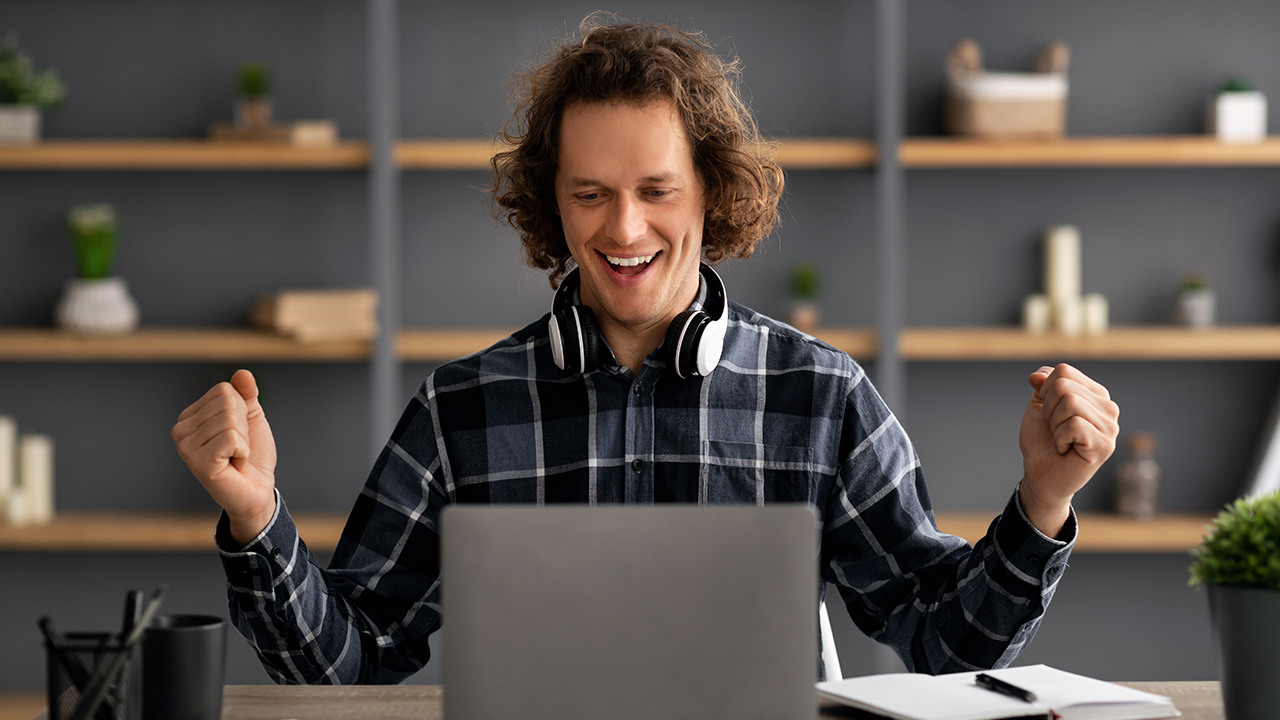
x: 638, y: 389
x: 637, y: 464
x: 276, y: 553
x: 1054, y: 570
x: 1034, y: 559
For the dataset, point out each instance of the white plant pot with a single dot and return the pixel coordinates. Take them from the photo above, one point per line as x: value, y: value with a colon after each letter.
x: 1196, y: 308
x: 1239, y: 117
x: 19, y: 124
x: 97, y: 306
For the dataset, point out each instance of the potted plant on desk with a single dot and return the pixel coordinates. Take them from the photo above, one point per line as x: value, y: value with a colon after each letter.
x: 1239, y: 561
x: 24, y: 92
x: 95, y: 301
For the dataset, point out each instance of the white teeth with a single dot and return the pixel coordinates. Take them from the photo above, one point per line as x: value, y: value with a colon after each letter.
x: 628, y: 262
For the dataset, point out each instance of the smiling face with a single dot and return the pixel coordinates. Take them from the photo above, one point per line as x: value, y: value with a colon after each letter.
x: 633, y: 207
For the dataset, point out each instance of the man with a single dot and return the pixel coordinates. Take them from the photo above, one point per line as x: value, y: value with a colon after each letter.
x: 633, y: 161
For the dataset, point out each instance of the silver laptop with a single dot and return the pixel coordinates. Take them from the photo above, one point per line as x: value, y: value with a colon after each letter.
x: 621, y: 612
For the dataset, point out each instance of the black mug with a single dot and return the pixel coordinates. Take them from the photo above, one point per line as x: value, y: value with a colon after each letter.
x: 183, y: 664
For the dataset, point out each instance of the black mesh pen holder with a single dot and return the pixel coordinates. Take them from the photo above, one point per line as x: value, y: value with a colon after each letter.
x: 78, y: 663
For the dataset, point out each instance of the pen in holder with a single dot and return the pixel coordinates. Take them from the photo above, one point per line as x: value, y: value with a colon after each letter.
x: 98, y: 676
x: 75, y: 660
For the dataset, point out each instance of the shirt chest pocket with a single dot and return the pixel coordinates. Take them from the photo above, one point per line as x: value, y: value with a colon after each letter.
x: 754, y: 473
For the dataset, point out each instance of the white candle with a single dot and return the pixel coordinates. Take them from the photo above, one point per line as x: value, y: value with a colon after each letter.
x: 15, y: 510
x: 1096, y: 314
x: 1037, y: 313
x: 35, y: 463
x: 1070, y: 316
x: 1062, y: 264
x: 8, y: 460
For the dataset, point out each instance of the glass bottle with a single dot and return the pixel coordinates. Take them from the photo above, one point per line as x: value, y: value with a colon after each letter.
x: 1138, y: 478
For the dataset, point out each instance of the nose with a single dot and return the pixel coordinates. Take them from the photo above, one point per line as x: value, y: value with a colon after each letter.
x: 627, y: 222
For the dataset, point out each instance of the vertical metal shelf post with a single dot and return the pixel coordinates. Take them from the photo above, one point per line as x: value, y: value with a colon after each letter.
x: 890, y: 220
x: 890, y: 202
x: 384, y: 215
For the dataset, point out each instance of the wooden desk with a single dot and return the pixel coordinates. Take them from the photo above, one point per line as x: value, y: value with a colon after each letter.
x: 1196, y: 700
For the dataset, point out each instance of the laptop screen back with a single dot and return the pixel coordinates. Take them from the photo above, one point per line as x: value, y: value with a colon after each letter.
x: 629, y: 612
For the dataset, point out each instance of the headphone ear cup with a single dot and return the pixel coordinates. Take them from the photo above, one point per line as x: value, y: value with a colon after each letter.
x: 590, y: 339
x: 682, y: 341
x: 574, y: 339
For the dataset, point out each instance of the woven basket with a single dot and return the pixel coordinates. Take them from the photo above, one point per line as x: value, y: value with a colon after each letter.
x: 1004, y: 105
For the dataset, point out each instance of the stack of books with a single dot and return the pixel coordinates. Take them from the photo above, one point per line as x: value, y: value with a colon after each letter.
x: 319, y: 315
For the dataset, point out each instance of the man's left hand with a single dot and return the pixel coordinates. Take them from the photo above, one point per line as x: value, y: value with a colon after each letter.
x: 1068, y: 430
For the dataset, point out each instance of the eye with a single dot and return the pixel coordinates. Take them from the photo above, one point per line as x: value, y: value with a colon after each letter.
x: 588, y: 196
x: 658, y: 193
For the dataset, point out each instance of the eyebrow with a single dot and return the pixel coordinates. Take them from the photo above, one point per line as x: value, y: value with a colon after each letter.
x: 585, y: 181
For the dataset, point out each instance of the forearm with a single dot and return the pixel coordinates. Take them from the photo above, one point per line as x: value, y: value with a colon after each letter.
x: 943, y: 606
x: 278, y: 598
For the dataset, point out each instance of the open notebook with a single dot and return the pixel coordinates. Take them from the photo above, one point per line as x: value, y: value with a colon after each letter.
x: 1059, y: 694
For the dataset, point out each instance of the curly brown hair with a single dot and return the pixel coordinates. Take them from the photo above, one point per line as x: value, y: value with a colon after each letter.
x: 638, y: 63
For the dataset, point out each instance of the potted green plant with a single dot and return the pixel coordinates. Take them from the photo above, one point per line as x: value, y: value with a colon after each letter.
x: 253, y: 103
x: 24, y: 92
x: 1196, y: 305
x: 805, y: 285
x: 1239, y: 563
x: 95, y: 301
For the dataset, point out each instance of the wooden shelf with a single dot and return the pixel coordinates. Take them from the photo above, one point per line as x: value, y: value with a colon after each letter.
x: 445, y: 154
x: 444, y: 344
x: 420, y: 154
x: 1153, y: 151
x: 1100, y: 532
x: 858, y: 343
x: 794, y: 153
x: 1244, y: 342
x: 22, y: 706
x: 171, y: 345
x: 825, y: 154
x: 147, y: 532
x: 132, y: 532
x: 194, y: 154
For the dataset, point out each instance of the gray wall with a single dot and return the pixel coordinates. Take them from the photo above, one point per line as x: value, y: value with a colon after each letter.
x: 197, y: 246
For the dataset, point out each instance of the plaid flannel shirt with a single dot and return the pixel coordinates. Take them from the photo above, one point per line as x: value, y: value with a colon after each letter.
x: 783, y: 418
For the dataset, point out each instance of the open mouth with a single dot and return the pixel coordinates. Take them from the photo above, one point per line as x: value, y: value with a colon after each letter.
x: 629, y: 265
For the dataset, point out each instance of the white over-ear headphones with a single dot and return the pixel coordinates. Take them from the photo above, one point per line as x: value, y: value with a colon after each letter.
x: 693, y: 345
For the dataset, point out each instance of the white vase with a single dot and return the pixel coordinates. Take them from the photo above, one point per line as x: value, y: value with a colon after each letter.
x: 19, y: 124
x: 97, y: 306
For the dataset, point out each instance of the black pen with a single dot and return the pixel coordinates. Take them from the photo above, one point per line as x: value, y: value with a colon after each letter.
x: 997, y: 685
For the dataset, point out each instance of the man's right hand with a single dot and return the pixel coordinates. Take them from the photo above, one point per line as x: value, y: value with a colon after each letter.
x: 226, y: 442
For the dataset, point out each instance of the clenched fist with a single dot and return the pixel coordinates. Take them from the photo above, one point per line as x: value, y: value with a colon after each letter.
x: 1068, y: 430
x: 226, y: 442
